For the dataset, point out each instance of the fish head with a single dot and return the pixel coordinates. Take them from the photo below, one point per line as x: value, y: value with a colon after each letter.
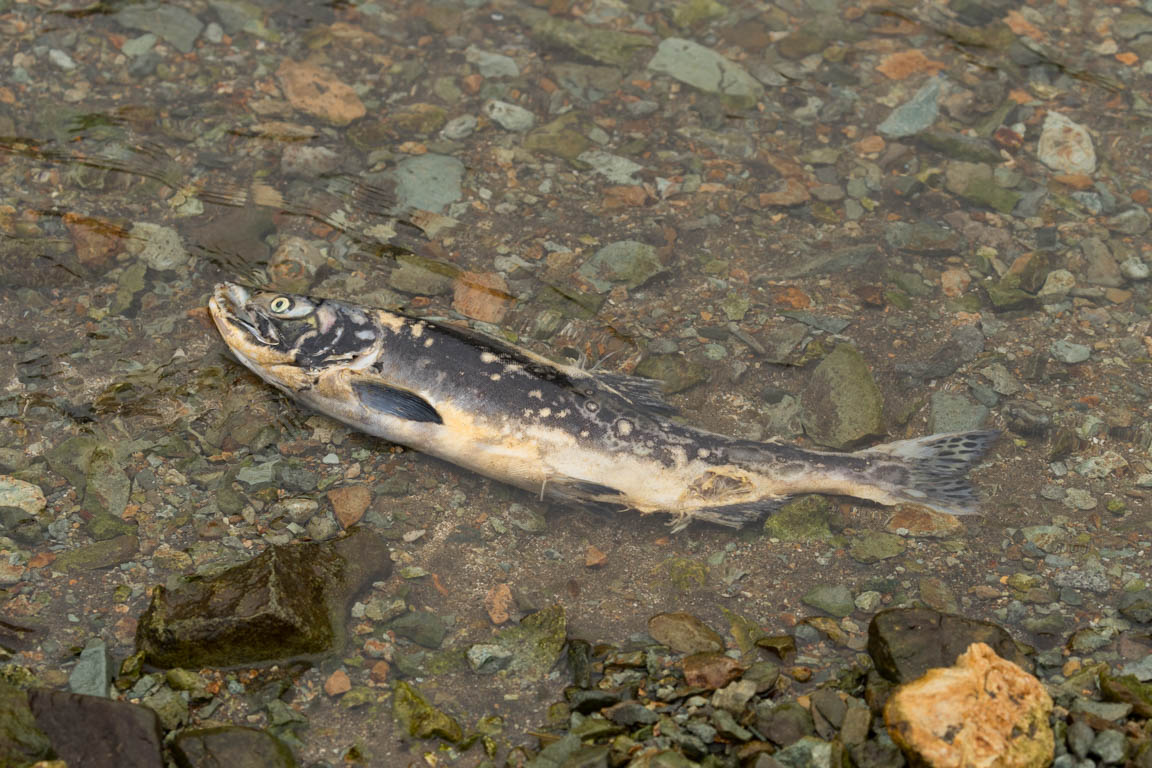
x: 290, y: 340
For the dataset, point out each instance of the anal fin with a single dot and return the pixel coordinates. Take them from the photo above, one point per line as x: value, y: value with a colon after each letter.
x: 731, y: 515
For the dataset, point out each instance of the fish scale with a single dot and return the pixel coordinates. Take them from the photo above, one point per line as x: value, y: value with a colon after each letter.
x: 596, y: 440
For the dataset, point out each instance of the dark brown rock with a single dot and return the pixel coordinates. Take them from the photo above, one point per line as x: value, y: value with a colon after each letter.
x: 233, y: 746
x: 905, y: 643
x: 288, y: 601
x: 94, y: 732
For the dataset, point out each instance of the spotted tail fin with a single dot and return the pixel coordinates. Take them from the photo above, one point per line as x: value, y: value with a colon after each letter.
x: 931, y: 471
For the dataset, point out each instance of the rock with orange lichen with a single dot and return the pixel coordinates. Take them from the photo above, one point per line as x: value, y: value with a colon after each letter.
x: 317, y: 91
x: 985, y: 712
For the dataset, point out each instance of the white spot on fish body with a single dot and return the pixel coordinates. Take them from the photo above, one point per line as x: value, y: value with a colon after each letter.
x: 366, y: 334
x: 536, y: 394
x: 623, y: 427
x: 488, y: 357
x: 495, y: 377
x: 545, y: 412
x: 417, y: 330
x: 703, y: 453
x: 427, y: 342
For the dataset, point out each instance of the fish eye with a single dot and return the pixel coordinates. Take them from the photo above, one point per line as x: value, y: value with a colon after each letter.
x: 280, y: 304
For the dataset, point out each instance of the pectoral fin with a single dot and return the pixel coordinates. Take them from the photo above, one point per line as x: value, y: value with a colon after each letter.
x: 400, y: 403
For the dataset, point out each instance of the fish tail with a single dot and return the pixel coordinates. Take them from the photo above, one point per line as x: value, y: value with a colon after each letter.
x: 931, y: 471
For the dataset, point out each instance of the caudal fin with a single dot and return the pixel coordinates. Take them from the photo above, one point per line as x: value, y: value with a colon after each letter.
x: 932, y: 470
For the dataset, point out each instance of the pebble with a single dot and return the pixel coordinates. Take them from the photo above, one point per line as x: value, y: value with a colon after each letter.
x: 491, y: 64
x: 1078, y: 498
x: 833, y: 599
x: 916, y: 114
x: 428, y: 182
x: 703, y: 68
x: 459, y: 128
x: 1135, y: 269
x: 510, y: 117
x: 169, y: 22
x: 61, y: 59
x: 1065, y: 145
x: 1070, y: 352
x: 618, y: 170
x: 160, y: 247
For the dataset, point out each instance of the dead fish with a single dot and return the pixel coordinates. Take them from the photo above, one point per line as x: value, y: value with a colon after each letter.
x: 593, y: 439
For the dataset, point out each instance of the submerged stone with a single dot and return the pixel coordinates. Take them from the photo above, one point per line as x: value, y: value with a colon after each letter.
x: 904, y: 643
x: 684, y: 633
x: 91, y: 730
x: 842, y: 404
x: 230, y: 745
x: 703, y: 68
x: 287, y: 601
x: 535, y: 644
x: 419, y: 718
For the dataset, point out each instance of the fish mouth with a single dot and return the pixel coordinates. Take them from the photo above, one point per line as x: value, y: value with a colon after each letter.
x: 229, y: 304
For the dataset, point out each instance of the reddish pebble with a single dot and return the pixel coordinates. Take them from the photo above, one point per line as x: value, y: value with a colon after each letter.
x: 337, y: 683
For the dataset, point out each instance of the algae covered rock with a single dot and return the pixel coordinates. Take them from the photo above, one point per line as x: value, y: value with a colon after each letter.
x: 842, y: 403
x: 419, y: 718
x: 287, y: 601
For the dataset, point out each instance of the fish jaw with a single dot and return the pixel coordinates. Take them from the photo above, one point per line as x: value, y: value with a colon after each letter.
x: 238, y: 328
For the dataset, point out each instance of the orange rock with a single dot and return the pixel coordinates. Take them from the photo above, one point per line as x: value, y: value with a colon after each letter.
x: 786, y: 192
x: 95, y: 240
x: 379, y: 672
x: 624, y: 196
x: 318, y: 92
x: 711, y: 670
x: 899, y: 66
x: 985, y: 712
x: 350, y: 502
x: 1074, y: 180
x: 870, y: 145
x: 594, y: 557
x: 481, y: 296
x: 499, y: 603
x: 923, y: 522
x: 793, y: 297
x: 955, y: 282
x: 337, y: 683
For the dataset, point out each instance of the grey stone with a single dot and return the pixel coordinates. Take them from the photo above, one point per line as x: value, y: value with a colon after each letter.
x: 1135, y: 269
x: 842, y: 404
x: 1070, y: 352
x: 421, y: 627
x: 1110, y: 746
x: 510, y: 117
x: 1134, y: 221
x: 1100, y: 267
x: 618, y: 170
x: 169, y: 22
x: 93, y: 671
x: 628, y: 262
x: 488, y: 658
x: 491, y: 64
x: 428, y: 182
x: 157, y: 246
x: 916, y: 114
x: 833, y: 599
x: 1065, y: 145
x: 954, y: 412
x: 701, y: 67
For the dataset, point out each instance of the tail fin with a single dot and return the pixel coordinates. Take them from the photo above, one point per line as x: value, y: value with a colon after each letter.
x: 933, y: 470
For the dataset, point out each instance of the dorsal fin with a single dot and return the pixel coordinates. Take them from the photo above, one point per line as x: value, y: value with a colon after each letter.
x: 641, y: 392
